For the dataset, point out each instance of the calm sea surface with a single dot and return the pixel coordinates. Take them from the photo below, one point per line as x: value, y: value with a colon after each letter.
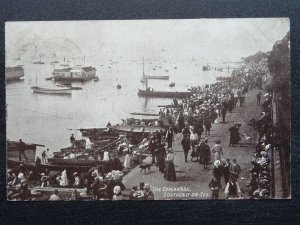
x: 50, y: 119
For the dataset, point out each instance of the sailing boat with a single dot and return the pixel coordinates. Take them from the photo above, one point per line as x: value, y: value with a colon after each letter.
x: 64, y: 64
x: 55, y: 60
x: 40, y: 61
x: 143, y: 80
x: 153, y: 77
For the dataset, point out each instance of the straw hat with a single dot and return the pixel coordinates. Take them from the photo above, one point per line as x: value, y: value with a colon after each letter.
x: 217, y: 163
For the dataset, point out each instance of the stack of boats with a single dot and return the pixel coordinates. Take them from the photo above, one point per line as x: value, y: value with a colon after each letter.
x: 85, y: 153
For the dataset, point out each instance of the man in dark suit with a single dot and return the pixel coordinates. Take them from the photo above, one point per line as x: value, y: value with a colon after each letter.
x: 214, y: 186
x: 169, y: 137
x: 204, y: 153
x: 22, y: 150
x: 186, y: 145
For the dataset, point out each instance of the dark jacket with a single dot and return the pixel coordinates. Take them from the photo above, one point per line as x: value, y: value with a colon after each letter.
x: 204, y: 150
x: 186, y: 144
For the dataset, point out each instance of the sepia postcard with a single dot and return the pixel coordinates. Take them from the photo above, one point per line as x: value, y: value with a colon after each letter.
x: 174, y: 109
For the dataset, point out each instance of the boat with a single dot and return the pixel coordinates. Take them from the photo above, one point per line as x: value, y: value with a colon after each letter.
x: 51, y: 91
x: 164, y: 94
x: 64, y: 84
x: 170, y: 106
x: 156, y: 77
x: 36, y: 56
x: 172, y: 84
x: 55, y: 163
x: 14, y: 73
x: 64, y: 64
x: 74, y: 74
x: 96, y: 78
x: 143, y: 114
x: 49, y: 78
x: 39, y: 62
x: 54, y: 62
x: 137, y: 128
x: 119, y: 86
x: 69, y: 86
x: 205, y: 68
x: 12, y: 152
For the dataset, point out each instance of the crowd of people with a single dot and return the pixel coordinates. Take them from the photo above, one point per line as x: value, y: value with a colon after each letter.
x: 193, y: 118
x: 260, y: 175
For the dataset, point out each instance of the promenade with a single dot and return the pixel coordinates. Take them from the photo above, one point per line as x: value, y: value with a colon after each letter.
x: 192, y: 180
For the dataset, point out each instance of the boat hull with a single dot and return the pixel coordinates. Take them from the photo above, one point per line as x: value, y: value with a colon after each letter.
x: 164, y: 94
x: 157, y: 77
x: 52, y: 91
x: 14, y: 73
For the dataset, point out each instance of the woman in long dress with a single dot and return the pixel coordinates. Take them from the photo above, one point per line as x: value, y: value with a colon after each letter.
x: 170, y: 174
x: 127, y: 161
x: 217, y: 150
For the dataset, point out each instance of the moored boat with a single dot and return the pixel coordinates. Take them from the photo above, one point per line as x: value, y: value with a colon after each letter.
x: 164, y: 94
x: 14, y: 73
x: 52, y: 91
x: 156, y: 77
x: 172, y: 84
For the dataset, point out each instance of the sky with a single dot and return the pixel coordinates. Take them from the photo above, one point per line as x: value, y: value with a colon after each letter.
x: 204, y: 39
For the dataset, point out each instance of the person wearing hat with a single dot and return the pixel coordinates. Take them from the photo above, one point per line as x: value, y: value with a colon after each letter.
x: 44, y: 156
x: 54, y: 196
x: 141, y: 186
x: 77, y: 180
x: 232, y: 189
x: 22, y: 150
x: 72, y: 141
x: 235, y: 170
x: 186, y: 145
x: 226, y: 170
x: 44, y: 180
x: 223, y: 112
x: 258, y: 97
x: 234, y: 135
x: 161, y: 158
x: 148, y: 194
x: 186, y: 130
x: 132, y: 194
x: 194, y: 141
x: 218, y: 171
x: 10, y: 176
x: 170, y: 173
x: 207, y: 123
x: 217, y: 150
x: 204, y: 153
x: 170, y: 136
x: 214, y: 186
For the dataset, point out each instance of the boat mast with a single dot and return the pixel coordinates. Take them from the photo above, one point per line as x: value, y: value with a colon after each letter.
x: 144, y: 78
